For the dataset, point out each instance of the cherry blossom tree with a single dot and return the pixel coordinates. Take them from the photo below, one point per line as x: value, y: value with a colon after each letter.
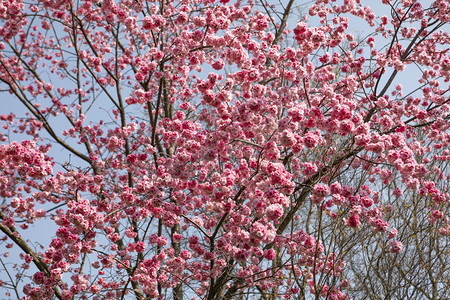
x: 224, y: 149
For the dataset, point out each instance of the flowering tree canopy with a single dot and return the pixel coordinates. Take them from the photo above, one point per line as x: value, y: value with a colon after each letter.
x: 224, y: 149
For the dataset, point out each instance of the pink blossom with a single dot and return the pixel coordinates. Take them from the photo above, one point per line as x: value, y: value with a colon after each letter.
x: 396, y: 246
x: 379, y: 225
x: 310, y: 140
x: 366, y: 201
x: 274, y: 211
x: 140, y: 247
x: 353, y: 221
x: 258, y: 230
x: 392, y: 234
x: 309, y: 169
x: 321, y: 190
x: 269, y: 254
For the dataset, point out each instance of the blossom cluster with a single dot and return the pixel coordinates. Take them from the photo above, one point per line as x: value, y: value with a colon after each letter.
x: 208, y: 159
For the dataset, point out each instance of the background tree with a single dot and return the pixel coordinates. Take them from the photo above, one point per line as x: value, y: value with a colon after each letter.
x: 421, y: 270
x: 305, y: 170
